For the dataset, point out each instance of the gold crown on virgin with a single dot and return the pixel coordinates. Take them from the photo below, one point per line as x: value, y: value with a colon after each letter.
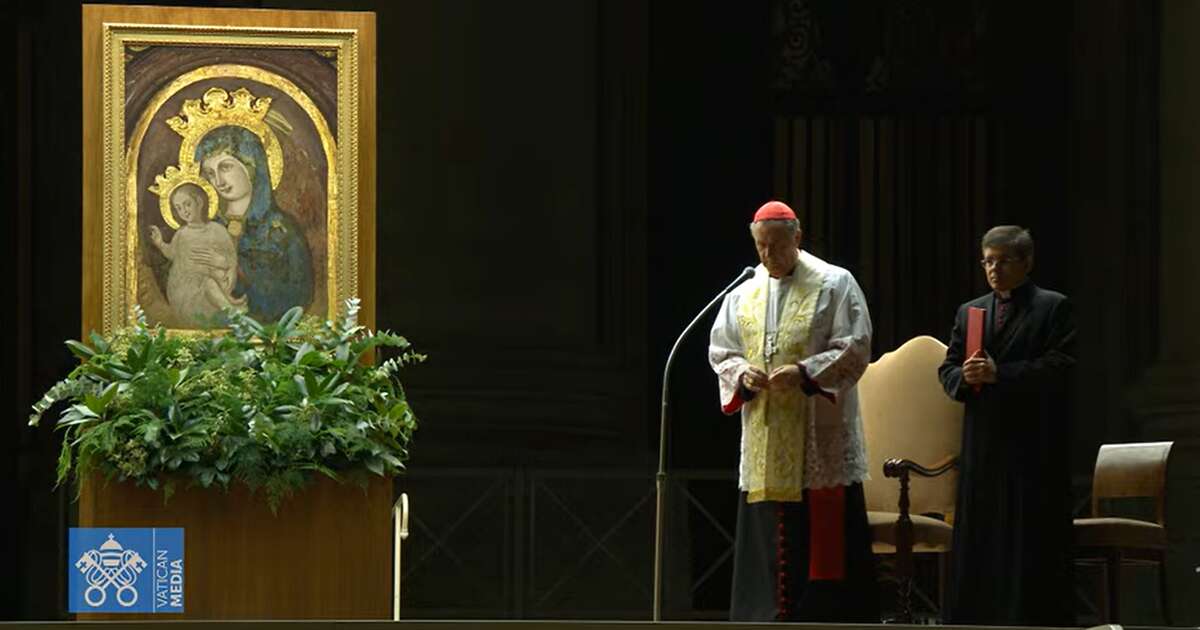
x: 221, y: 108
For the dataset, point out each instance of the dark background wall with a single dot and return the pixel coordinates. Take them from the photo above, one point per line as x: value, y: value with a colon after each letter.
x: 562, y: 186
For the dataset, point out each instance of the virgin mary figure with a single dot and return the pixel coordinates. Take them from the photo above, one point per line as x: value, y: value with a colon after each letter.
x: 274, y: 270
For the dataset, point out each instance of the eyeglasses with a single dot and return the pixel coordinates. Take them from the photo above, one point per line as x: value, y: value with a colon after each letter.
x: 988, y: 263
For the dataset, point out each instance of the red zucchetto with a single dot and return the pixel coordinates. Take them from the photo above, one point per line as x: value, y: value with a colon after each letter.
x: 774, y: 210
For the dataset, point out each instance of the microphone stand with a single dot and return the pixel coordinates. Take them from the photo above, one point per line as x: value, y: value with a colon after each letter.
x: 661, y: 478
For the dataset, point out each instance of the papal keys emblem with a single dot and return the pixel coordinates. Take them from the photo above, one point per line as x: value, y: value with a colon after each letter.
x: 110, y: 565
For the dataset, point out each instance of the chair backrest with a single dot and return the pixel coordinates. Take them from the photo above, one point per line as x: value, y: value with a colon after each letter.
x: 907, y: 414
x: 1132, y: 470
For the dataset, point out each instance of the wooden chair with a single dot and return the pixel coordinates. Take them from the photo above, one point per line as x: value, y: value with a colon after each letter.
x: 908, y: 418
x: 1125, y: 471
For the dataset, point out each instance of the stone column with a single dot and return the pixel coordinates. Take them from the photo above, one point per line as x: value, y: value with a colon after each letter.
x: 1166, y: 403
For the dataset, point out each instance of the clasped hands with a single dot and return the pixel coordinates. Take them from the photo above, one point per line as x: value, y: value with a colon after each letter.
x: 979, y: 369
x: 785, y: 376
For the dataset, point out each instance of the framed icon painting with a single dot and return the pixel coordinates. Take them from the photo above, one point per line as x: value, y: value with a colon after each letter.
x: 228, y: 164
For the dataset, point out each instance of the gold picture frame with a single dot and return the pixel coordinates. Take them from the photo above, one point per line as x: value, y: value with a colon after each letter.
x: 266, y: 119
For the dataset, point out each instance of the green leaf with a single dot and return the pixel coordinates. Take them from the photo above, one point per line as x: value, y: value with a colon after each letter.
x: 173, y: 377
x: 288, y: 322
x: 80, y: 350
x: 64, y: 463
x: 334, y: 400
x: 396, y: 411
x: 135, y: 358
x: 324, y: 470
x: 267, y: 406
x: 99, y: 343
x: 118, y: 373
x: 109, y: 393
x: 76, y: 415
x: 93, y: 404
x: 304, y: 350
x: 150, y: 433
x: 375, y: 465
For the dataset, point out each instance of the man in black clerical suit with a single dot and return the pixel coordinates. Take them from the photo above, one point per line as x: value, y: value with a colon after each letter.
x: 1012, y: 525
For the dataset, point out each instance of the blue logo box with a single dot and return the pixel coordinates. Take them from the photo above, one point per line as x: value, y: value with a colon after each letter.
x: 125, y: 570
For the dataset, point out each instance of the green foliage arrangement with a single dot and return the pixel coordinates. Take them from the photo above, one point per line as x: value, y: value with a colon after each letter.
x: 265, y: 405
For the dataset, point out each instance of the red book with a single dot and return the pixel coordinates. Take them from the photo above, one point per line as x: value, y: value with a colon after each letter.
x: 974, y: 333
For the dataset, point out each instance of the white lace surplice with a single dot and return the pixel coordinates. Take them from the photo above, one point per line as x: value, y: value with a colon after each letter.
x: 838, y: 352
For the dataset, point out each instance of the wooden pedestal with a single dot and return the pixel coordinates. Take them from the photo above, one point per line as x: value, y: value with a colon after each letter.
x: 326, y: 554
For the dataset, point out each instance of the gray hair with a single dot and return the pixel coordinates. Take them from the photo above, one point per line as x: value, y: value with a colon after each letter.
x: 793, y: 225
x: 1013, y: 238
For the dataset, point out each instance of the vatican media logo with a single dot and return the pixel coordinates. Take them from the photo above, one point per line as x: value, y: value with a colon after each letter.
x: 125, y: 570
x: 110, y: 565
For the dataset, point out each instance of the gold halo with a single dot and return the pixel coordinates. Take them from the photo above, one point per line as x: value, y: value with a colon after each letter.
x: 165, y: 185
x: 220, y: 108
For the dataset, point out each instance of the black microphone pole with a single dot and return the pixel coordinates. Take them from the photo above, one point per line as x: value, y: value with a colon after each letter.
x: 661, y: 478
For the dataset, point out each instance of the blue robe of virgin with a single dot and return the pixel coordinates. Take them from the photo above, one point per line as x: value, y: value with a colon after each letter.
x: 275, y: 270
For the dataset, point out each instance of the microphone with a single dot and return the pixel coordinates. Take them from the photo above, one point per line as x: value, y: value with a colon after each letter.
x: 661, y: 477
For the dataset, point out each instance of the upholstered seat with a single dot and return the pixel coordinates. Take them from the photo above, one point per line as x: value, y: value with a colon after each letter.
x: 1119, y: 532
x: 1126, y: 471
x: 930, y: 535
x: 908, y: 421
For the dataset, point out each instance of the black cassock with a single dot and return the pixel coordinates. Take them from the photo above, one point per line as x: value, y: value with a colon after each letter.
x: 1012, y: 524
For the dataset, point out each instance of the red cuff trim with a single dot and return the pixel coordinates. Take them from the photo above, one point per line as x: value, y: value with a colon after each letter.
x: 735, y: 403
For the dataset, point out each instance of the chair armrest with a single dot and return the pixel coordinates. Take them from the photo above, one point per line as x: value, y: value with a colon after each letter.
x: 898, y: 467
x: 901, y: 469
